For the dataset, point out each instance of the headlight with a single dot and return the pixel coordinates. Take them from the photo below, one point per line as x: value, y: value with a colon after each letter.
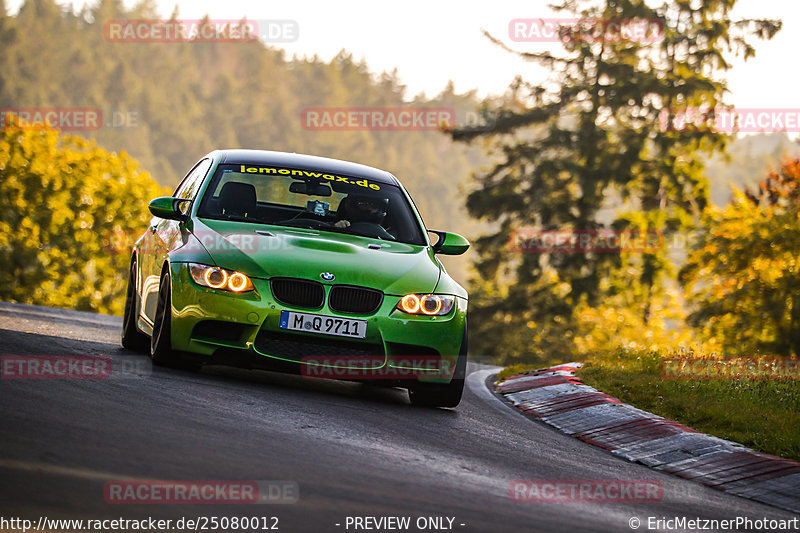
x: 426, y: 304
x: 220, y: 278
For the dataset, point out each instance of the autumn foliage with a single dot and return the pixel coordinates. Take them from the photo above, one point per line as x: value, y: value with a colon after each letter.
x: 744, y: 277
x: 63, y: 200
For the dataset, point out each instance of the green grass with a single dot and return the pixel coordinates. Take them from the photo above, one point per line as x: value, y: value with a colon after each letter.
x: 515, y: 369
x: 761, y: 414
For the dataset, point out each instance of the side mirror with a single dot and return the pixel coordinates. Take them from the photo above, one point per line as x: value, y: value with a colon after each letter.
x: 449, y: 243
x: 169, y: 208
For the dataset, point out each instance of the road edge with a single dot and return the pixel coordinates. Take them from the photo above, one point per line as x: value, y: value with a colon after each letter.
x: 557, y: 397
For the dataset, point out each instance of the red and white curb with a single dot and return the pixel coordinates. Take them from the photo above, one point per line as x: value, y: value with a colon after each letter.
x: 559, y: 398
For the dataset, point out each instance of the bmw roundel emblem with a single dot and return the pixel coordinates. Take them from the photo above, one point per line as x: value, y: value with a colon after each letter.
x: 327, y: 276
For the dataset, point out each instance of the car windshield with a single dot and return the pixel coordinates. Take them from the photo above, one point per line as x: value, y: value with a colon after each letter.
x: 310, y: 199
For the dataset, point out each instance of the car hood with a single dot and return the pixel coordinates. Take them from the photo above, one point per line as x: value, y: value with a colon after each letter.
x: 266, y: 251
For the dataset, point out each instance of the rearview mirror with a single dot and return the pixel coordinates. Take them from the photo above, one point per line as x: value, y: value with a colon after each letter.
x: 449, y: 243
x: 311, y: 189
x: 169, y: 207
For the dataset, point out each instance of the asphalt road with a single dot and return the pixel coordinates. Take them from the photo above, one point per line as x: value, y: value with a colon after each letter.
x: 353, y: 450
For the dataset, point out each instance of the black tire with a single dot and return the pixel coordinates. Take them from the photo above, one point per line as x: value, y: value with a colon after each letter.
x: 430, y: 395
x: 161, y: 351
x: 131, y: 337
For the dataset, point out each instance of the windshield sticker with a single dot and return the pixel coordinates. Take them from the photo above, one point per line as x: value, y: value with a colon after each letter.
x: 307, y: 174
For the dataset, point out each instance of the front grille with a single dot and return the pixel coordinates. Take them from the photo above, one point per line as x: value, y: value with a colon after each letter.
x: 356, y: 300
x: 298, y: 292
x: 295, y: 347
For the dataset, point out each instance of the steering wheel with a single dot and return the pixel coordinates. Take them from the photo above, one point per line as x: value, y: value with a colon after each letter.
x: 371, y: 229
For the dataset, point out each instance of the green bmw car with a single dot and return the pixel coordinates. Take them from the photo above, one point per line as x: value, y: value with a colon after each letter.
x: 300, y: 264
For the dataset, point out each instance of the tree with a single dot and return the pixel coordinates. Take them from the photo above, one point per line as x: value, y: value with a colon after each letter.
x: 743, y: 277
x: 66, y: 206
x: 594, y: 139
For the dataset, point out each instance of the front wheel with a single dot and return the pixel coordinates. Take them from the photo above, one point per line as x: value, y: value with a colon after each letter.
x: 161, y: 351
x: 431, y: 395
x: 132, y: 338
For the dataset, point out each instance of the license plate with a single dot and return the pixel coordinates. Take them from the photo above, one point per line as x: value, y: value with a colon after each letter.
x: 327, y: 325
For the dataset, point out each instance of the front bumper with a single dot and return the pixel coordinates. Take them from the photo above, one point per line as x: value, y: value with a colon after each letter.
x: 208, y: 322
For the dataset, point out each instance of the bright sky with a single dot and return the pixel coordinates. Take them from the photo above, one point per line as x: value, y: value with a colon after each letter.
x: 431, y: 42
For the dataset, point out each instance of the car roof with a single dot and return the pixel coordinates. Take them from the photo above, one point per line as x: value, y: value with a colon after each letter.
x: 302, y: 161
